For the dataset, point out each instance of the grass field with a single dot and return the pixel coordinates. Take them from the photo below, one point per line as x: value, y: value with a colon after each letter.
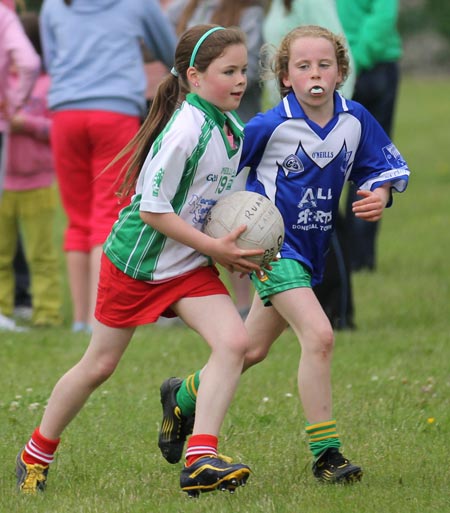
x: 391, y: 380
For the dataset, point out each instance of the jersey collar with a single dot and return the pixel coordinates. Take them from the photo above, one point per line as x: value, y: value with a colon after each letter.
x: 235, y: 124
x: 291, y: 108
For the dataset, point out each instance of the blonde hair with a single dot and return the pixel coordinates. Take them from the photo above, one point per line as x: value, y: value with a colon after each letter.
x: 171, y: 92
x: 275, y: 63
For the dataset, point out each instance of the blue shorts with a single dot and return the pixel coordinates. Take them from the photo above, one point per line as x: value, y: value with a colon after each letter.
x: 286, y: 274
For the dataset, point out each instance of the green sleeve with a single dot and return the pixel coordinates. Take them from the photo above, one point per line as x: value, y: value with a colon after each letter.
x: 371, y: 28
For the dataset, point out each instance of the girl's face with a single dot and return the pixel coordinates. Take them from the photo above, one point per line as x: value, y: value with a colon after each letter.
x: 313, y: 73
x: 225, y: 79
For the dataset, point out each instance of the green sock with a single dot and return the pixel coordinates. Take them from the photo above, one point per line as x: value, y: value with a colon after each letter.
x: 322, y: 436
x: 187, y: 394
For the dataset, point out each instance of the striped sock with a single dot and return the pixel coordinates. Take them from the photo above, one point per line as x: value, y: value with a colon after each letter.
x: 40, y: 450
x: 201, y: 445
x: 322, y: 436
x: 187, y: 394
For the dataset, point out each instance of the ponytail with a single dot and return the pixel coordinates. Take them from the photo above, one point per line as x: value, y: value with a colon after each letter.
x: 166, y: 100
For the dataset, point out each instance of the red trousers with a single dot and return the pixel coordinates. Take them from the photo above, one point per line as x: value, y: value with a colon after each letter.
x: 84, y: 142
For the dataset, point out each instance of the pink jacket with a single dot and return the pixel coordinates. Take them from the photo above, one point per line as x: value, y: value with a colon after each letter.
x: 10, y: 3
x: 30, y: 161
x: 15, y: 48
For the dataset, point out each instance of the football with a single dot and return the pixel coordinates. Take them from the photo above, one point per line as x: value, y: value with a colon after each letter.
x: 265, y: 226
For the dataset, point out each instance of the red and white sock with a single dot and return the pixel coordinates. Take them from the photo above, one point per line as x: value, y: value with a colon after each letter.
x: 200, y: 445
x: 40, y: 450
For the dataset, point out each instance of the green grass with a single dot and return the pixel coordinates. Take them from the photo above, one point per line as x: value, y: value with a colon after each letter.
x: 391, y: 382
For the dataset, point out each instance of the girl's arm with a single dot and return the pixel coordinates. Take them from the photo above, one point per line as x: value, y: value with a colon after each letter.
x: 34, y: 120
x: 25, y: 60
x: 372, y: 204
x: 37, y: 127
x: 223, y: 250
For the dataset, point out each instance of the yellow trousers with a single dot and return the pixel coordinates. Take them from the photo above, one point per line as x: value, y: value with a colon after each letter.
x: 32, y: 214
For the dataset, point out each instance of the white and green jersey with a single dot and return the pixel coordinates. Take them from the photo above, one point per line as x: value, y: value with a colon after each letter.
x: 189, y: 167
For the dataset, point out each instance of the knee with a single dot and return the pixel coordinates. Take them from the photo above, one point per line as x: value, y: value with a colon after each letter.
x: 231, y: 350
x: 254, y: 356
x: 100, y: 371
x: 325, y: 341
x: 240, y: 345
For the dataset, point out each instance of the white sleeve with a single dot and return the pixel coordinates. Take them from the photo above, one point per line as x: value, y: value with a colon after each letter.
x: 163, y: 170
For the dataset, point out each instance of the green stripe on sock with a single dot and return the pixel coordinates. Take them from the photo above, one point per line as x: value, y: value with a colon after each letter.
x: 322, y: 436
x: 187, y: 394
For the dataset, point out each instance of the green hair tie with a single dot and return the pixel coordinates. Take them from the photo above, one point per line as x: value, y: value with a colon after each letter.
x: 200, y: 41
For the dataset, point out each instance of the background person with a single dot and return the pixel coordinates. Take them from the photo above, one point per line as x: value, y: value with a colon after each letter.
x: 15, y: 50
x: 93, y: 54
x: 22, y: 296
x: 28, y: 206
x: 371, y: 29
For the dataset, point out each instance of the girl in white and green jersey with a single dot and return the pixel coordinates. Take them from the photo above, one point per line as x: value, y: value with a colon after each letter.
x: 157, y: 261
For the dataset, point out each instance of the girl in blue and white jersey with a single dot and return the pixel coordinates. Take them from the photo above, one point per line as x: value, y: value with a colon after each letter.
x: 300, y: 155
x: 157, y: 261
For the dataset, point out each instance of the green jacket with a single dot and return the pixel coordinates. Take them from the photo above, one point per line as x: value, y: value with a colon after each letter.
x: 371, y: 29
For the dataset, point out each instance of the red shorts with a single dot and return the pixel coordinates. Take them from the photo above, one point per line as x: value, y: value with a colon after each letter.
x: 123, y: 302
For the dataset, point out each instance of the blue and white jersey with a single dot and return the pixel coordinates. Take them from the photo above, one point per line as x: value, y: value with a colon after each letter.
x: 303, y: 167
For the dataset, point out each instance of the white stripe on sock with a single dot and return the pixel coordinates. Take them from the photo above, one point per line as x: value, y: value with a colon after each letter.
x: 33, y: 450
x: 201, y: 449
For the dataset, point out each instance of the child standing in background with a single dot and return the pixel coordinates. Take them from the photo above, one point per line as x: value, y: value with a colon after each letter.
x: 158, y: 262
x: 28, y: 205
x: 15, y: 50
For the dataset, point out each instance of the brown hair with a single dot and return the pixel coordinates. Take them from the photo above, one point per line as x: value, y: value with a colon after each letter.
x: 277, y: 64
x: 228, y: 13
x: 171, y: 92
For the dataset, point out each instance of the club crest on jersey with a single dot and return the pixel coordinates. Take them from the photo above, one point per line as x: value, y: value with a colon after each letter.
x: 156, y: 184
x: 292, y: 164
x: 199, y: 208
x: 393, y: 157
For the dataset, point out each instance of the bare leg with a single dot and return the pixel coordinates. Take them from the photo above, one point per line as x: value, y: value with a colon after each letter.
x: 302, y: 310
x: 264, y: 326
x: 242, y: 291
x: 216, y: 319
x: 74, y: 388
x: 78, y: 274
x: 94, y: 274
